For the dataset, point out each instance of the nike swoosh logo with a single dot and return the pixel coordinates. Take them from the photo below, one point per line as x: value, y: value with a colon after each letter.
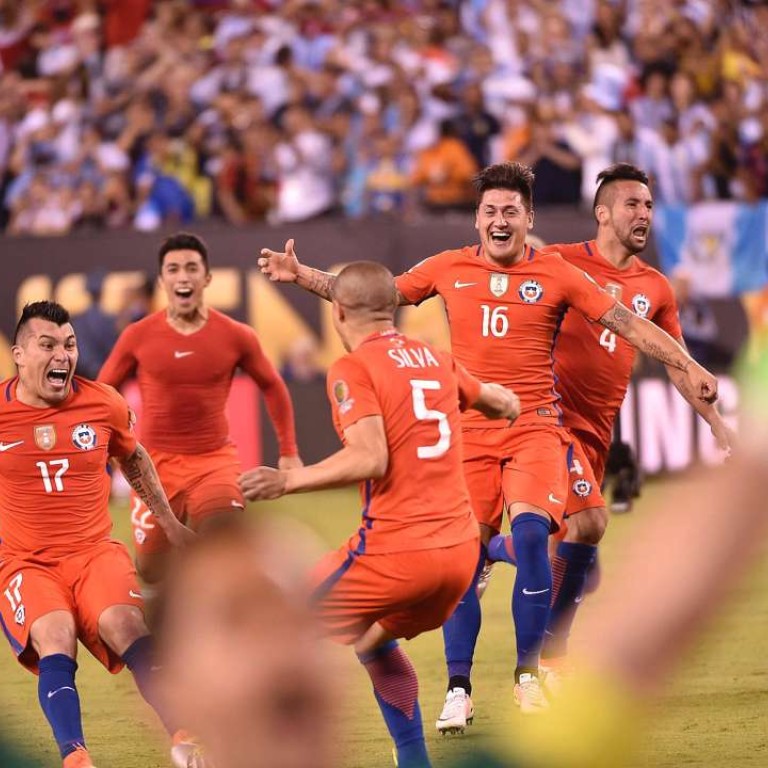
x: 131, y: 593
x: 177, y: 355
x: 459, y: 284
x: 554, y: 499
x: 7, y: 446
x: 51, y: 694
x: 535, y: 591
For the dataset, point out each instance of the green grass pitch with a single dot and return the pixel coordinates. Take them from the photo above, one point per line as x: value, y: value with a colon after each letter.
x: 715, y: 713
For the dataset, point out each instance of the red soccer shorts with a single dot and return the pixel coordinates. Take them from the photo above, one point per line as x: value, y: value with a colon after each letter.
x: 406, y: 592
x: 525, y: 464
x: 84, y: 583
x: 586, y: 473
x: 197, y: 486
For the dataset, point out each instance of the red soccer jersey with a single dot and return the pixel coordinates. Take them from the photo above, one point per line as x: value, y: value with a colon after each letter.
x: 422, y: 500
x: 184, y: 381
x: 54, y: 484
x: 504, y: 321
x: 593, y: 365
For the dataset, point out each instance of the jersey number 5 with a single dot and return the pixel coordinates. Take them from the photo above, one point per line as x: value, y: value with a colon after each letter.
x: 422, y: 413
x: 55, y: 483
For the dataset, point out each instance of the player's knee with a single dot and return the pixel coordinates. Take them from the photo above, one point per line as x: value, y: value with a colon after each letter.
x: 54, y: 634
x: 588, y: 527
x: 120, y: 626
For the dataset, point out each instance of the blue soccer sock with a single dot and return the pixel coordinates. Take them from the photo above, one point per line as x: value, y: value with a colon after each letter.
x: 139, y: 658
x: 460, y: 633
x: 570, y: 568
x: 502, y: 548
x: 60, y: 701
x: 533, y: 588
x: 397, y: 693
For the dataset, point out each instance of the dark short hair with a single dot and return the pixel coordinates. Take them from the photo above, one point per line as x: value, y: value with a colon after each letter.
x: 45, y: 310
x: 617, y: 172
x: 513, y: 176
x: 183, y: 241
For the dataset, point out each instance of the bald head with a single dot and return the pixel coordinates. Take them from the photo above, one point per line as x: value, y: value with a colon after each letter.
x: 366, y: 290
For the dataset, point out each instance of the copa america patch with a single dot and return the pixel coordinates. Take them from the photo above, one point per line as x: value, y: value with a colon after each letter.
x: 641, y: 304
x: 340, y: 391
x: 582, y: 487
x: 84, y: 437
x: 530, y: 291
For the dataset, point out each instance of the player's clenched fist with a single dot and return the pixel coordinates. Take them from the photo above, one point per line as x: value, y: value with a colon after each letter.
x: 498, y: 402
x: 280, y: 267
x: 263, y: 483
x: 703, y: 383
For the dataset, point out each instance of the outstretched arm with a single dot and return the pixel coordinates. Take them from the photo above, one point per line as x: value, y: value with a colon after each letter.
x: 276, y: 397
x: 285, y: 267
x: 722, y: 433
x: 365, y: 456
x: 142, y: 476
x: 658, y: 344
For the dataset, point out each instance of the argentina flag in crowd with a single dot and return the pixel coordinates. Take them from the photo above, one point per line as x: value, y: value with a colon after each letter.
x: 723, y: 246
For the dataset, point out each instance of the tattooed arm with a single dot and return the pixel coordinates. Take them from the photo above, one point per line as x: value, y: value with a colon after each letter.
x: 285, y: 267
x: 142, y: 476
x: 722, y: 433
x: 658, y: 344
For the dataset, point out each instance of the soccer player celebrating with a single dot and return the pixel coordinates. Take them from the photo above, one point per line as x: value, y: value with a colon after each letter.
x: 593, y: 369
x: 396, y: 407
x: 505, y: 302
x: 61, y: 577
x: 185, y: 357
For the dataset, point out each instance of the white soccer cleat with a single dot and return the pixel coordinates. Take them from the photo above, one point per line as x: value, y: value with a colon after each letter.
x: 529, y: 695
x: 485, y: 577
x: 457, y: 713
x: 187, y: 753
x: 554, y: 676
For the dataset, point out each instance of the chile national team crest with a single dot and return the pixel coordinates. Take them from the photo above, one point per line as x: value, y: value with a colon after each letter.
x: 499, y: 282
x: 45, y: 437
x: 530, y: 291
x: 582, y: 487
x: 641, y: 304
x: 84, y: 437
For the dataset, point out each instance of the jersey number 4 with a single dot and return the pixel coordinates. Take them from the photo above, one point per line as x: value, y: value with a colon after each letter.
x: 608, y: 340
x: 422, y: 413
x: 53, y: 482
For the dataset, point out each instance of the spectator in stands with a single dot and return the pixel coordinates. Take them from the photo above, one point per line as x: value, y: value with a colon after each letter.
x: 442, y: 176
x: 162, y: 199
x: 198, y: 76
x: 305, y: 182
x: 245, y: 183
x: 387, y: 182
x: 653, y: 107
x: 475, y: 126
x: 555, y: 163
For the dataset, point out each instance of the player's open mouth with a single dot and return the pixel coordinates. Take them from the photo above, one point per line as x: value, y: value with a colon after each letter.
x: 640, y: 231
x: 184, y: 293
x: 57, y: 376
x: 500, y: 237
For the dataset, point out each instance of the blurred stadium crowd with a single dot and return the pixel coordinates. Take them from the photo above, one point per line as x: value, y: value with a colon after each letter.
x: 131, y: 113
